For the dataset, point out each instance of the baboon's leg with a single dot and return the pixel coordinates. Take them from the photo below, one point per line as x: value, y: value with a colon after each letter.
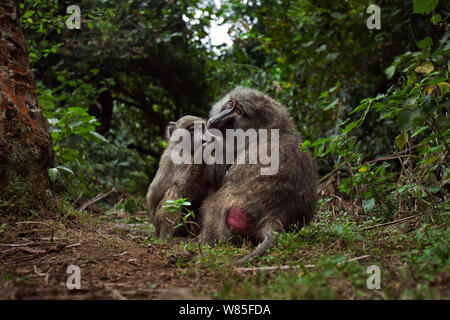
x: 214, y: 228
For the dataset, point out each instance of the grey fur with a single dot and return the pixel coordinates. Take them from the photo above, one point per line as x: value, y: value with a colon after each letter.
x: 277, y: 202
x: 172, y: 182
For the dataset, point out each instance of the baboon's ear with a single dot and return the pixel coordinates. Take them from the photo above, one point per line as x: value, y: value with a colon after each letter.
x: 170, y: 127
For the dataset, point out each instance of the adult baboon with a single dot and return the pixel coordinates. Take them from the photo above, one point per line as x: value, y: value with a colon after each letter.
x: 248, y: 204
x: 174, y: 181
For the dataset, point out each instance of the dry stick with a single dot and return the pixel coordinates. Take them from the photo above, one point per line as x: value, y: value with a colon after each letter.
x: 355, y: 214
x: 332, y: 171
x: 33, y: 231
x: 285, y: 267
x: 391, y: 157
x: 354, y: 259
x: 34, y: 222
x: 396, y: 154
x: 38, y: 222
x: 95, y: 199
x: 31, y: 257
x: 15, y: 244
x: 73, y: 245
x: 115, y: 294
x: 392, y: 222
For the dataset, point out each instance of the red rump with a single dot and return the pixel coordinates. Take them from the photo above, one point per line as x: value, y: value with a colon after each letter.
x: 238, y: 221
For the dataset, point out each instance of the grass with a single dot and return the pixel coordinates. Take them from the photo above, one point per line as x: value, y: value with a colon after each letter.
x: 413, y: 257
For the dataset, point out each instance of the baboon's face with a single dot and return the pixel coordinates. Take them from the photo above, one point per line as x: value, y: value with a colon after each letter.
x: 242, y: 110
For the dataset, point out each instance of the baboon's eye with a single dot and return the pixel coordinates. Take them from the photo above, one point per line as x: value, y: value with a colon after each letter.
x: 230, y: 104
x: 238, y: 111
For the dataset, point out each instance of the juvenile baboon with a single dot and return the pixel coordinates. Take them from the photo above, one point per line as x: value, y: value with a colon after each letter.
x: 174, y: 181
x: 248, y: 204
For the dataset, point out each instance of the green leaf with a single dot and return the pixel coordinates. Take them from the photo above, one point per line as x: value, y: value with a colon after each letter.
x: 401, y: 140
x: 28, y: 14
x: 320, y: 141
x: 331, y: 105
x: 99, y: 136
x: 424, y: 6
x: 405, y: 118
x: 390, y: 71
x: 425, y: 43
x: 53, y: 173
x: 419, y: 131
x: 431, y: 161
x: 350, y: 127
x: 65, y: 169
x: 324, y: 94
x: 436, y: 18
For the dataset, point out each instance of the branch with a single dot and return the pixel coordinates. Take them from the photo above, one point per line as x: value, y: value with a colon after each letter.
x: 392, y: 222
x: 95, y: 199
x: 286, y: 267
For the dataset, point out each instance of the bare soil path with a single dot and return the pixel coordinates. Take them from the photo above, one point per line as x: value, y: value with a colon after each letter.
x: 33, y: 266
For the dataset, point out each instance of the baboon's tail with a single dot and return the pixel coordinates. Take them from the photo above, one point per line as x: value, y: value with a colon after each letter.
x: 262, y: 247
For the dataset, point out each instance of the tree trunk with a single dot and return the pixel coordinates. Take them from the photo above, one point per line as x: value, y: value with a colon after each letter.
x: 26, y: 151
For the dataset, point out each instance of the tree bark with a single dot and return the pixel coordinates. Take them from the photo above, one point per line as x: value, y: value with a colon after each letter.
x: 26, y: 150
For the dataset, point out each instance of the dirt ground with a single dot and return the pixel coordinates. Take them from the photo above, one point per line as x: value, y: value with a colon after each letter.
x: 34, y: 259
x: 35, y: 254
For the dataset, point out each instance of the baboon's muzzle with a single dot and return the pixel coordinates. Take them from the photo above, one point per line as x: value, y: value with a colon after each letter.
x: 220, y: 120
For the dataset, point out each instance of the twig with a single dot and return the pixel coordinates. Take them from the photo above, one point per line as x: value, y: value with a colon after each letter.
x: 286, y: 267
x: 73, y: 245
x: 41, y: 274
x: 396, y: 155
x: 39, y: 222
x: 33, y: 231
x: 95, y: 199
x: 354, y: 212
x: 15, y: 244
x: 332, y: 171
x: 354, y: 259
x: 392, y: 222
x: 31, y: 257
x: 331, y: 245
x: 116, y: 295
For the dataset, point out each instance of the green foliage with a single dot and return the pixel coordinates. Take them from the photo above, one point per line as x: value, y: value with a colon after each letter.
x: 127, y: 59
x: 179, y: 208
x: 424, y: 6
x: 371, y: 105
x: 415, y: 109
